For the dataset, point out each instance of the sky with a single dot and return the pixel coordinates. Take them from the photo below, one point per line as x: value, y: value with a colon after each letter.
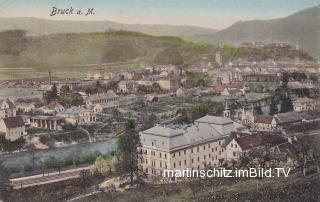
x: 216, y: 14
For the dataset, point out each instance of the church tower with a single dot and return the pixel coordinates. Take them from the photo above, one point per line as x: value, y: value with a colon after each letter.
x: 226, y: 111
x: 218, y: 56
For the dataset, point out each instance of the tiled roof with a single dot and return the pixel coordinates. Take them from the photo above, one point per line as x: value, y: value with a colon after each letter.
x: 289, y: 117
x: 262, y: 118
x: 218, y: 88
x: 13, y: 122
x: 259, y: 139
x: 53, y: 105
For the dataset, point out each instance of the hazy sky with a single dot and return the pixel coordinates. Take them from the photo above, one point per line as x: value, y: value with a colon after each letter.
x: 216, y: 14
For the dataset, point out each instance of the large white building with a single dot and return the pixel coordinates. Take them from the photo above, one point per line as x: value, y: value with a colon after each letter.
x: 77, y: 115
x: 195, y: 146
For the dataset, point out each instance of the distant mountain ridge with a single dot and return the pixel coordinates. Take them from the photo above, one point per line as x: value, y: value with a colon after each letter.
x: 301, y: 28
x: 37, y: 26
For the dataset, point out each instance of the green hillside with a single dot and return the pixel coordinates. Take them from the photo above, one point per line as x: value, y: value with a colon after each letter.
x: 94, y: 48
x: 74, y: 54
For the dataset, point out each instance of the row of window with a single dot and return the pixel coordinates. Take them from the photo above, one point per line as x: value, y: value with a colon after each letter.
x: 153, y: 153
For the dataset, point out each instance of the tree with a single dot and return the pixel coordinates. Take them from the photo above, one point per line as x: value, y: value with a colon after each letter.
x: 54, y: 91
x: 286, y: 105
x: 76, y: 99
x: 258, y: 110
x: 302, y: 151
x: 128, y: 143
x: 273, y: 107
x: 4, y: 183
x: 101, y: 165
x: 65, y: 89
x: 316, y: 152
x: 51, y: 94
x: 285, y: 79
x: 149, y: 121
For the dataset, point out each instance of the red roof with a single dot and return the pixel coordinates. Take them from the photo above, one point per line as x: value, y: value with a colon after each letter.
x: 262, y: 118
x: 218, y: 88
x: 53, y: 105
x: 259, y: 139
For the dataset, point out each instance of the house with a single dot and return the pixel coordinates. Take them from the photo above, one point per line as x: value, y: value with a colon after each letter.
x: 109, y: 99
x: 7, y: 109
x: 285, y: 119
x: 195, y: 146
x: 77, y: 115
x: 127, y: 86
x: 248, y: 142
x: 263, y: 122
x: 169, y: 83
x: 53, y: 107
x: 218, y: 89
x: 151, y: 98
x: 25, y: 106
x: 103, y: 107
x: 304, y: 104
x: 12, y: 127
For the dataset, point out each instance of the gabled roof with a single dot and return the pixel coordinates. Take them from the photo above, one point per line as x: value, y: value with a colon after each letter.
x: 289, y: 117
x: 218, y: 88
x: 262, y: 118
x: 259, y: 139
x: 53, y: 105
x: 13, y: 122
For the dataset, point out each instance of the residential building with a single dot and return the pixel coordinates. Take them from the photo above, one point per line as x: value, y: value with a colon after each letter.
x: 25, y: 106
x: 194, y: 146
x: 285, y: 119
x: 127, y: 86
x: 304, y: 104
x: 263, y: 122
x: 108, y: 99
x: 169, y: 83
x: 12, y: 128
x: 53, y: 107
x: 241, y: 143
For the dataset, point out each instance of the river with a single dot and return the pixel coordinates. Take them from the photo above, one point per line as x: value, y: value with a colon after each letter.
x: 20, y: 161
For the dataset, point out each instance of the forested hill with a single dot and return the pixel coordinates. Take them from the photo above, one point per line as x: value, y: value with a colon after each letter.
x: 19, y: 50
